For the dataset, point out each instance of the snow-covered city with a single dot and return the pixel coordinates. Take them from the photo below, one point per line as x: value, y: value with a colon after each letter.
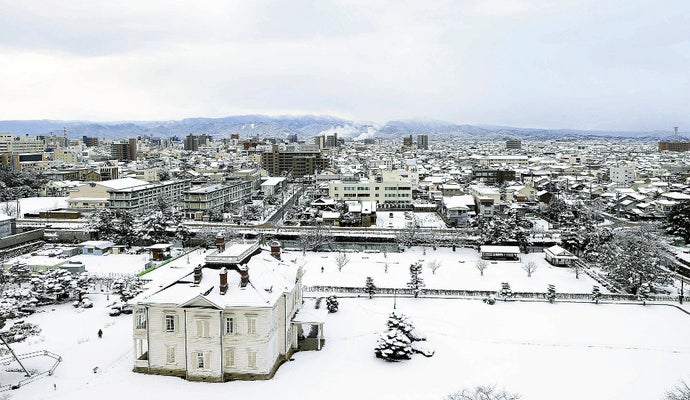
x: 470, y: 200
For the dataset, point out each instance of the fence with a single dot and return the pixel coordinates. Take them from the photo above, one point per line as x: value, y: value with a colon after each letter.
x: 21, y: 238
x: 32, y: 377
x: 480, y: 294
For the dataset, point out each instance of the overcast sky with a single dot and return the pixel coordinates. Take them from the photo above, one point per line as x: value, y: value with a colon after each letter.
x: 599, y: 64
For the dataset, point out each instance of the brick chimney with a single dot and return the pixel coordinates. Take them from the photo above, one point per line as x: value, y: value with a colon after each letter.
x: 275, y: 249
x: 220, y: 242
x: 197, y: 274
x: 223, y: 280
x: 244, y: 275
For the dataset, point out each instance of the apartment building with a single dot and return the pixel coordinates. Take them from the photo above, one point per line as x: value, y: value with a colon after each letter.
x: 292, y: 160
x: 623, y: 174
x: 125, y: 150
x: 386, y: 193
x: 144, y: 198
x: 202, y: 201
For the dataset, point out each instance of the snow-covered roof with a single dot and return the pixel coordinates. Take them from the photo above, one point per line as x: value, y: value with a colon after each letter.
x: 123, y: 183
x: 97, y: 244
x: 462, y: 201
x: 560, y: 252
x: 499, y: 249
x: 330, y: 215
x: 269, y: 278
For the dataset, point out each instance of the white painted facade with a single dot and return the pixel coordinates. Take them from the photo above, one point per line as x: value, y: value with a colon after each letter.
x: 196, y: 332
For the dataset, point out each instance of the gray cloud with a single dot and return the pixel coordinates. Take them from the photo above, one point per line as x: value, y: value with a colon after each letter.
x: 578, y: 64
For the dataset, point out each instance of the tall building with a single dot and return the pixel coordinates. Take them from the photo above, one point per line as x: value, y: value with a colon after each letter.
x: 90, y: 141
x: 292, y: 138
x: 320, y: 141
x: 124, y: 151
x: 407, y: 141
x: 423, y: 142
x: 513, y: 144
x: 332, y: 140
x: 191, y: 142
x: 671, y: 145
x: 21, y: 149
x: 295, y: 161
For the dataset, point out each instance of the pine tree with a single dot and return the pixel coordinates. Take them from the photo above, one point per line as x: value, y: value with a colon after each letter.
x: 395, y: 344
x: 643, y: 293
x: 551, y: 293
x: 369, y: 287
x: 19, y: 273
x: 678, y: 221
x: 332, y: 304
x: 596, y: 294
x: 416, y: 282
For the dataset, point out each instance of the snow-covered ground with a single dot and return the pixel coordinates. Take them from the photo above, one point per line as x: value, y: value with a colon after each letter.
x: 543, y: 351
x: 36, y: 204
x: 408, y: 219
x: 540, y: 350
x: 457, y: 271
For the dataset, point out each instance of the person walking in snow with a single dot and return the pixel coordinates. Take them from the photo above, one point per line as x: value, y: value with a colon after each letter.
x: 100, y: 333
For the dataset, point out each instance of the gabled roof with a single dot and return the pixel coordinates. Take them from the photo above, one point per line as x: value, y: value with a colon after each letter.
x: 558, y: 251
x: 200, y: 301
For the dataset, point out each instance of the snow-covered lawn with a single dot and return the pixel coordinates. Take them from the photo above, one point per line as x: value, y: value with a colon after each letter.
x: 457, y: 271
x: 405, y: 219
x: 543, y: 351
x: 36, y: 204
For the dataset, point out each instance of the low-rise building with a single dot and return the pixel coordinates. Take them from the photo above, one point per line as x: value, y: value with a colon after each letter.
x: 222, y: 322
x: 200, y: 202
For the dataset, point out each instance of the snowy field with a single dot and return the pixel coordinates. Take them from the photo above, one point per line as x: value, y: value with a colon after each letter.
x: 457, y: 271
x: 36, y: 204
x: 542, y: 351
x: 408, y: 219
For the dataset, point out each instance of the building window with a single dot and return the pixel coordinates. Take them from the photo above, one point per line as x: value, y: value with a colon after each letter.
x: 170, y: 354
x: 229, y: 325
x: 251, y: 359
x: 202, y: 328
x: 200, y: 360
x: 170, y: 323
x: 140, y: 319
x: 251, y: 326
x: 230, y: 357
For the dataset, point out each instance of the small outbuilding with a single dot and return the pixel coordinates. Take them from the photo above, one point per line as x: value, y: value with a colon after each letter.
x: 499, y: 252
x: 96, y: 247
x: 558, y: 256
x: 160, y: 251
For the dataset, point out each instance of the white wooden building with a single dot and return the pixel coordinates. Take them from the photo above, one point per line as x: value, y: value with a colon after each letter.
x: 558, y: 256
x: 222, y: 322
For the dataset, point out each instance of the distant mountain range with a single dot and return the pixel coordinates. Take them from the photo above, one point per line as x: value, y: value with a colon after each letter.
x: 305, y: 127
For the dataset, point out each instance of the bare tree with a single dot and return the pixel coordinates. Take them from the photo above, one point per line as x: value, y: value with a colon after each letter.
x: 9, y: 208
x: 315, y: 238
x: 481, y: 265
x: 482, y: 393
x: 529, y: 267
x: 577, y: 269
x: 341, y: 260
x: 433, y: 266
x: 679, y: 392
